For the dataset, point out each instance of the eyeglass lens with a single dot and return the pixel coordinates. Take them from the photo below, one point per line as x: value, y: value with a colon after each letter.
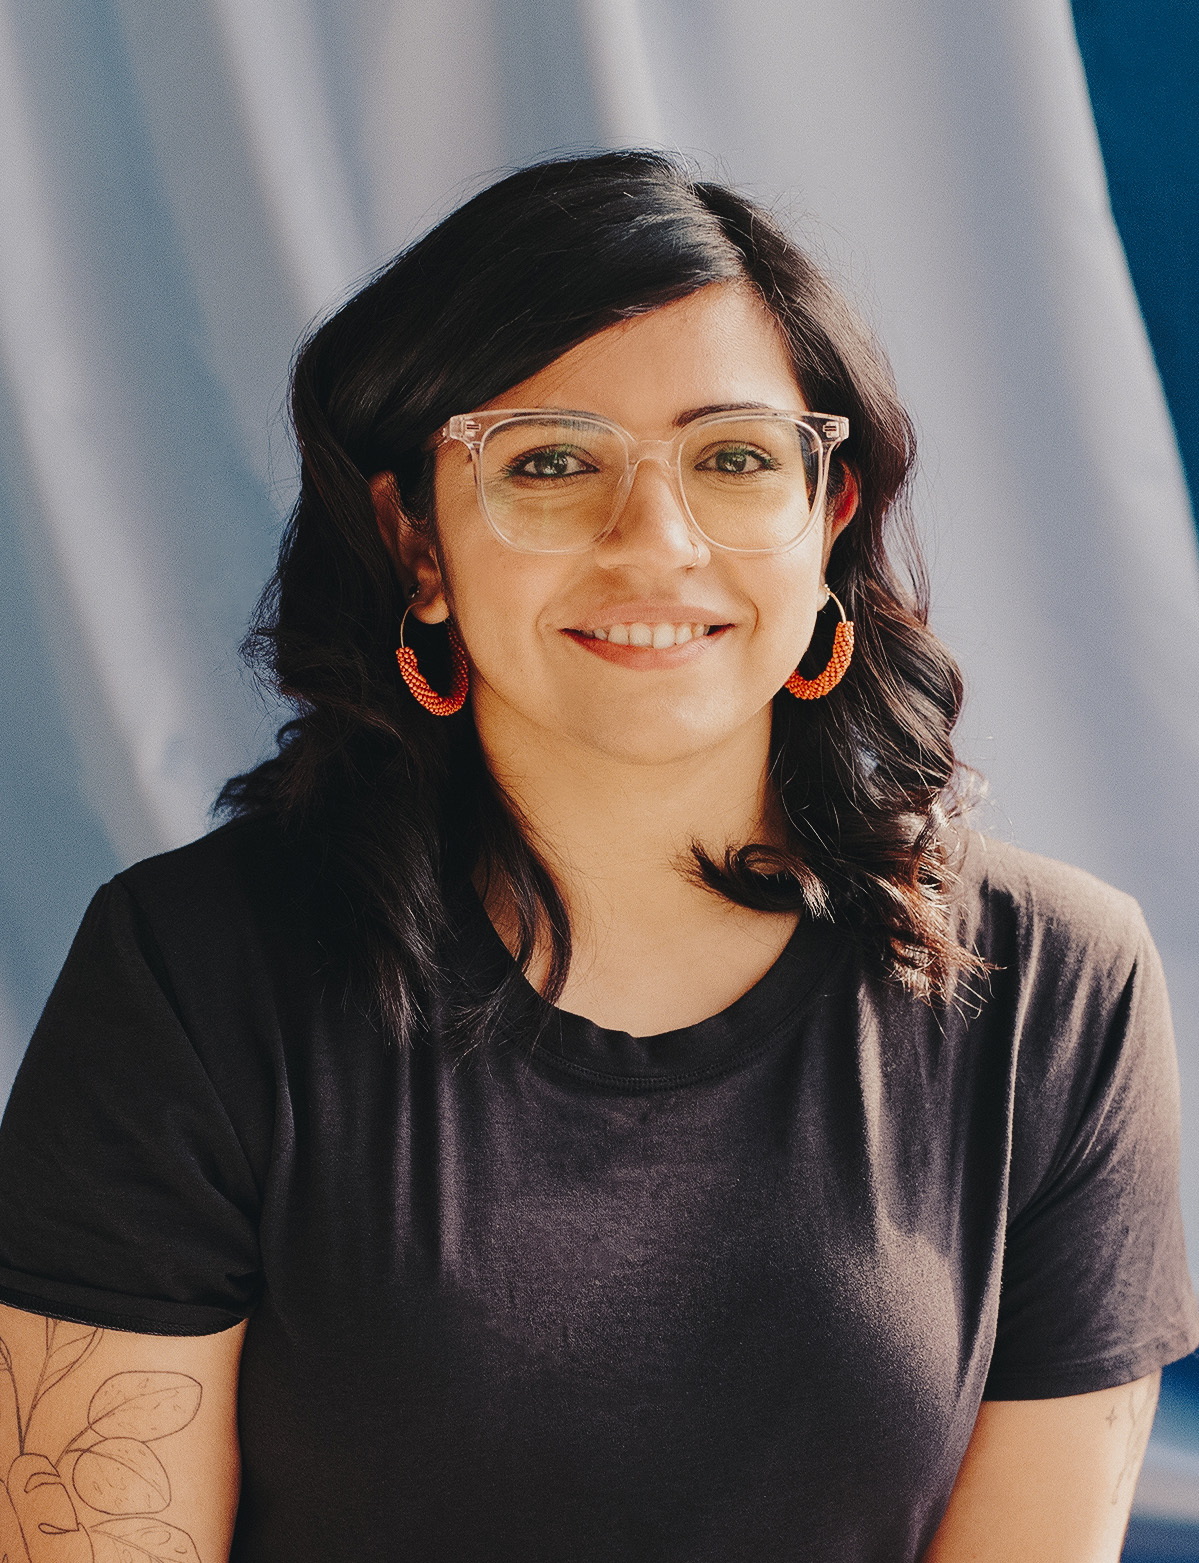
x: 552, y: 485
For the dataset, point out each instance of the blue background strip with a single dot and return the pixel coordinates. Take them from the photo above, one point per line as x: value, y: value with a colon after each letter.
x: 1142, y: 64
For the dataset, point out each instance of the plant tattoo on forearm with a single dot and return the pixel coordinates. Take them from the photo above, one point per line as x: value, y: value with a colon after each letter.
x: 117, y: 1480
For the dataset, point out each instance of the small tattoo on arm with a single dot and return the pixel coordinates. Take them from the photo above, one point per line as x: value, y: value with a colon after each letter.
x: 107, y: 1468
x: 1137, y: 1404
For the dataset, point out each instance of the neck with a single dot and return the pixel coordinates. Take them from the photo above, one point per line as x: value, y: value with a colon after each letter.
x: 612, y: 828
x: 617, y: 835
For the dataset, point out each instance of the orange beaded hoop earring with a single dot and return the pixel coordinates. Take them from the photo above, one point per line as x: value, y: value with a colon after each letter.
x: 422, y: 690
x: 834, y: 671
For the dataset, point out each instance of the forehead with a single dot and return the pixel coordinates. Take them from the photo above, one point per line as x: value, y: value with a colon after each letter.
x: 718, y: 346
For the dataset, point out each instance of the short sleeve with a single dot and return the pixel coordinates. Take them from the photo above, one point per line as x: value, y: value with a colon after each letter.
x: 126, y: 1198
x: 1095, y: 1289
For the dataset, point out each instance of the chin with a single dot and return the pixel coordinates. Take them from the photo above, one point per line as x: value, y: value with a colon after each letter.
x: 652, y: 739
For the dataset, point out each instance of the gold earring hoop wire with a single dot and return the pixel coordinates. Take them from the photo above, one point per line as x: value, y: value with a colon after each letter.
x: 422, y: 691
x: 838, y: 662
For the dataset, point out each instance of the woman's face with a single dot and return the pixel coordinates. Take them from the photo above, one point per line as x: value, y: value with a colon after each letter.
x: 528, y: 620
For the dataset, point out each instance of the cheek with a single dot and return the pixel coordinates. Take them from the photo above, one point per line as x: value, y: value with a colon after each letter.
x: 498, y: 599
x: 786, y: 594
x: 487, y: 585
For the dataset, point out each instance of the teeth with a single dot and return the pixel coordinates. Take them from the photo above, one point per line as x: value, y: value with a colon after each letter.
x: 657, y: 637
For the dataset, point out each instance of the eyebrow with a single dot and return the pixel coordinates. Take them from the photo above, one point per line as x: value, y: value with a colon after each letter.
x: 693, y: 413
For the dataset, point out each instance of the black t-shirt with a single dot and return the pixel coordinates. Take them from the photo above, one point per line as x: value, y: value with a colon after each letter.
x: 730, y: 1293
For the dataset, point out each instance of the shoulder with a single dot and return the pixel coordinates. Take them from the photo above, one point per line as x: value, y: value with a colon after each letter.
x: 230, y: 910
x: 1017, y: 906
x: 218, y: 860
x: 244, y: 871
x: 1075, y: 983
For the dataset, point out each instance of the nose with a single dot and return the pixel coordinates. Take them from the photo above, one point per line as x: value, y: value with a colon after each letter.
x: 651, y: 529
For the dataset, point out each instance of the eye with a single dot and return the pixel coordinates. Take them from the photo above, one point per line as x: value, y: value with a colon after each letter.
x: 552, y: 461
x: 737, y: 461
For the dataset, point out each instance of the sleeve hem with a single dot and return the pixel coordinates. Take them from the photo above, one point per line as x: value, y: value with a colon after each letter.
x: 112, y: 1310
x: 1058, y: 1380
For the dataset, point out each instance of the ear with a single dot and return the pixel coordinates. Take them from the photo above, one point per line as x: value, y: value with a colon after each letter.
x: 841, y: 508
x: 412, y: 549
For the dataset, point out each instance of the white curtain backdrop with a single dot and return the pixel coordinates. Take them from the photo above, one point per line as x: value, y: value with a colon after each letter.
x: 183, y: 188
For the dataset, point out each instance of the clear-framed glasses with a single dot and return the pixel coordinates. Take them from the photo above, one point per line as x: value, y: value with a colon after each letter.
x: 552, y: 482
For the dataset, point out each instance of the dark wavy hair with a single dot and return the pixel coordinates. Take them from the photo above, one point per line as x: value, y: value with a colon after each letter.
x: 398, y: 806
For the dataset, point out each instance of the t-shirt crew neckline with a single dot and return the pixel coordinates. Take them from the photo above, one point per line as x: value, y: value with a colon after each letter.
x: 669, y: 1058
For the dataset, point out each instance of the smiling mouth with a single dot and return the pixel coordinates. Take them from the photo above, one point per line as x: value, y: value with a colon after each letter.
x: 649, y: 637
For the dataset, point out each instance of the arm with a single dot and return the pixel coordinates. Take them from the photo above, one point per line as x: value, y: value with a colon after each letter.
x: 1048, y: 1481
x: 116, y: 1446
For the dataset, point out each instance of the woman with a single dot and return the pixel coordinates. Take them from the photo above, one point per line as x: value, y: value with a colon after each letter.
x: 596, y: 1100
